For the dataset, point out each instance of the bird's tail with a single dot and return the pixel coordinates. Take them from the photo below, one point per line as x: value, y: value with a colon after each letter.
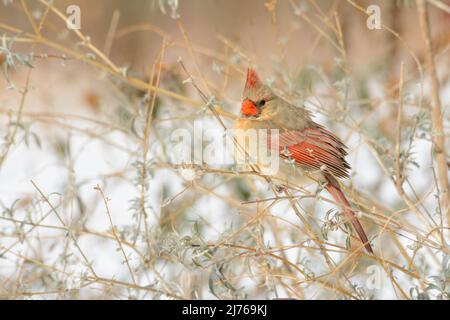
x: 334, y: 189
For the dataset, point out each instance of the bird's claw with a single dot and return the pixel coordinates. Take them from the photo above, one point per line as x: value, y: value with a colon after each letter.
x: 279, y: 188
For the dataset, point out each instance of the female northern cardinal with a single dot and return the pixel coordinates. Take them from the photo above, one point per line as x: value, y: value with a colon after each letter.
x: 308, y: 151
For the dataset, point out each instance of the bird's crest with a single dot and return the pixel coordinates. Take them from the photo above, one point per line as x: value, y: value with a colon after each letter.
x: 252, y: 79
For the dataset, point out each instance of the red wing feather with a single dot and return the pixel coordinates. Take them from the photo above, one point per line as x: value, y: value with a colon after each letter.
x: 315, y: 148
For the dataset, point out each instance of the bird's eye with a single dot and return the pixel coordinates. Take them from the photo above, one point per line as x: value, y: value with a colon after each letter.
x: 261, y: 103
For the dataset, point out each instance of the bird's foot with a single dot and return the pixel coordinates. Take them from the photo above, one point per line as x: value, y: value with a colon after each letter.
x: 279, y: 188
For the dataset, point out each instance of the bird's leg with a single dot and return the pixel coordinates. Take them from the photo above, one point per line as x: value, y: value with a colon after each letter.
x: 279, y: 188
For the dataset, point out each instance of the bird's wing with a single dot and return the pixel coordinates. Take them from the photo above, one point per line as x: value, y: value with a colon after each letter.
x: 316, y: 149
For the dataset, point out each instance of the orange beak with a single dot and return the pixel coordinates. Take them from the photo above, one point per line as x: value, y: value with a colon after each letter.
x: 248, y: 108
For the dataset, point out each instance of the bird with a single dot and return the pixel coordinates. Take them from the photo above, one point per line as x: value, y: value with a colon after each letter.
x: 307, y: 151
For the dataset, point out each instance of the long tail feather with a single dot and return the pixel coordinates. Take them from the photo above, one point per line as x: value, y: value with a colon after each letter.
x: 334, y: 189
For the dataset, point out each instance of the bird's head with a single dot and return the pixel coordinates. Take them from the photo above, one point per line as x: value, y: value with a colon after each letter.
x: 256, y: 97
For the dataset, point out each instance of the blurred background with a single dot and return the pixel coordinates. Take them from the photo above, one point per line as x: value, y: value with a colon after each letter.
x: 93, y: 206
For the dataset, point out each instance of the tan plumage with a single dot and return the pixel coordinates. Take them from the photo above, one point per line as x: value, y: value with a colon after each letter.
x: 318, y: 154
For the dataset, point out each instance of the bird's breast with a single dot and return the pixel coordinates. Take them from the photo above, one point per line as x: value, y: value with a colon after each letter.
x: 254, y: 148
